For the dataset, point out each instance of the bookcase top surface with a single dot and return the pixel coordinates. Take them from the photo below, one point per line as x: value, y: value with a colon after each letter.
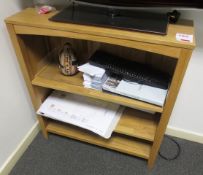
x: 29, y: 17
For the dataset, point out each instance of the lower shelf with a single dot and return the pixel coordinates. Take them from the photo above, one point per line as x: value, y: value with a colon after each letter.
x: 117, y: 142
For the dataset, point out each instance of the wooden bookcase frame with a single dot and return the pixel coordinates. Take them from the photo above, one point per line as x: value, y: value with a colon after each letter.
x: 137, y: 133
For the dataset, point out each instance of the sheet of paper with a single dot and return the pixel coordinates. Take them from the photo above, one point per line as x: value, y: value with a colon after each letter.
x: 184, y: 37
x: 91, y: 70
x: 97, y: 116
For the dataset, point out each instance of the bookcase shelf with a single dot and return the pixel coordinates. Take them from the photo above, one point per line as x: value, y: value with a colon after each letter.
x: 50, y: 77
x: 117, y: 142
x: 138, y: 124
x: 138, y: 133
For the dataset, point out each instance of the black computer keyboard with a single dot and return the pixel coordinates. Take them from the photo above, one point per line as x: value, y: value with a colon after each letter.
x: 130, y: 70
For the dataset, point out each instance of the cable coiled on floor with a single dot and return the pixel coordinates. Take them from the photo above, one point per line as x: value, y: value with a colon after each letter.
x: 177, y: 153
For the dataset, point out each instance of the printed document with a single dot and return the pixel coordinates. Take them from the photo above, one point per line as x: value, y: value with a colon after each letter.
x: 97, y: 116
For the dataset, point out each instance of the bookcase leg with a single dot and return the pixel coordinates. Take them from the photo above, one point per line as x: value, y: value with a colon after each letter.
x: 170, y: 101
x: 150, y: 164
x: 22, y: 53
x: 43, y: 124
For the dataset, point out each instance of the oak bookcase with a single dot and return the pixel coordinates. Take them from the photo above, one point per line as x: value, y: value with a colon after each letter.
x: 138, y: 133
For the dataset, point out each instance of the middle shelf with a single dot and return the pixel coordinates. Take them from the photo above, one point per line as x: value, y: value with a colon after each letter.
x: 133, y: 122
x: 50, y: 77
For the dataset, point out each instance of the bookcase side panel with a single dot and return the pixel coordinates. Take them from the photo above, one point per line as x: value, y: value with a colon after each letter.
x: 170, y: 101
x: 36, y: 94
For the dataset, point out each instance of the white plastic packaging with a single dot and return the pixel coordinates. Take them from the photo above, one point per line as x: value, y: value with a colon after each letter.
x: 43, y: 6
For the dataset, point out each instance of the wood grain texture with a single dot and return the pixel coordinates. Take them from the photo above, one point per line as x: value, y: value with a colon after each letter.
x: 169, y: 104
x: 85, y: 49
x: 150, y: 47
x: 36, y: 52
x: 22, y: 54
x: 117, y: 142
x: 50, y: 77
x: 29, y: 17
x: 138, y: 124
x: 40, y: 77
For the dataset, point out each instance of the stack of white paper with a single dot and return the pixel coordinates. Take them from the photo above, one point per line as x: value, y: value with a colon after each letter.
x: 93, y: 76
x: 97, y: 116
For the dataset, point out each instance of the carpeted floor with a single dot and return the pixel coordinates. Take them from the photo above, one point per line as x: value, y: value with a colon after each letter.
x: 63, y: 156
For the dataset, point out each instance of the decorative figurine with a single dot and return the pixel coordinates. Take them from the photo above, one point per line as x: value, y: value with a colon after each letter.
x: 67, y: 60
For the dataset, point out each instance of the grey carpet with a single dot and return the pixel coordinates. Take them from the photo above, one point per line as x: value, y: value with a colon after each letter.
x: 63, y: 156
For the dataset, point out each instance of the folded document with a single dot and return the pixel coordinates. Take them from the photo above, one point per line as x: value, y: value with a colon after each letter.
x: 134, y: 90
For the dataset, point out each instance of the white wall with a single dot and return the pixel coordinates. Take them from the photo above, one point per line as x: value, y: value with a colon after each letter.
x: 188, y: 111
x: 16, y: 114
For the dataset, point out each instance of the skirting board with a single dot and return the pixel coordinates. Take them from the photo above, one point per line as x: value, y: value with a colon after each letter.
x: 184, y: 134
x: 18, y: 152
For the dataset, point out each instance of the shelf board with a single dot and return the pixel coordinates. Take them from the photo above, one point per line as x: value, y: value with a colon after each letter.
x: 117, y: 142
x: 138, y: 124
x: 40, y: 25
x: 50, y: 77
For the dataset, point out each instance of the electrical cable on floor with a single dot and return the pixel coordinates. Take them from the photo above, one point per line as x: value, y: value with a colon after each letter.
x: 178, y: 150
